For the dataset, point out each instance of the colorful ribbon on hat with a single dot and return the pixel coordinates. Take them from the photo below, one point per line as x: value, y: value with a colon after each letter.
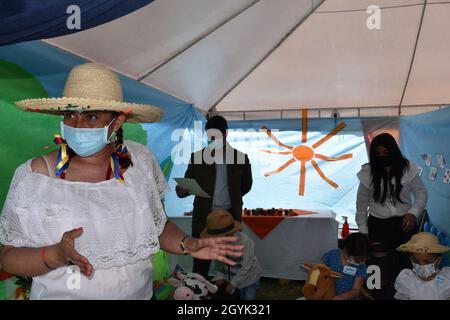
x: 121, y: 152
x: 62, y: 161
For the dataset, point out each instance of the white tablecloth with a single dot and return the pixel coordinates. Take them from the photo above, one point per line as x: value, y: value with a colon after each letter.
x: 294, y: 240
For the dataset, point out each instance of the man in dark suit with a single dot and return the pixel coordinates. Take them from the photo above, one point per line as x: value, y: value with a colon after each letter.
x: 221, y: 171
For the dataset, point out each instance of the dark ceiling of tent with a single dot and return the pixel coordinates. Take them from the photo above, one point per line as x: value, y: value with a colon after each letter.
x: 25, y: 20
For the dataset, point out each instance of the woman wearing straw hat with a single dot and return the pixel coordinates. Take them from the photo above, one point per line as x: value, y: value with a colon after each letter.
x: 426, y: 281
x: 85, y: 220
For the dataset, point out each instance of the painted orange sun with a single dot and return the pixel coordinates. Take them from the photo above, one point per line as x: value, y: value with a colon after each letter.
x: 303, y: 153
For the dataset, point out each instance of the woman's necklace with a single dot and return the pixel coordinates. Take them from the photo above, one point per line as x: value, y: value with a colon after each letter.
x: 108, y: 174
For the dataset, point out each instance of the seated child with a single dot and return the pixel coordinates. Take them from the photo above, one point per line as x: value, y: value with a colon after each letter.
x: 350, y: 261
x: 246, y: 273
x: 425, y: 281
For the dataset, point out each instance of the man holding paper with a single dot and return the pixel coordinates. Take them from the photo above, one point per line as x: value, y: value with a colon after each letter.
x: 223, y: 174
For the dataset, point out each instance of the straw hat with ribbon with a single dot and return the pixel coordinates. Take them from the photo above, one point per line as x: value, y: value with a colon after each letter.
x: 93, y: 87
x: 423, y: 242
x: 220, y: 223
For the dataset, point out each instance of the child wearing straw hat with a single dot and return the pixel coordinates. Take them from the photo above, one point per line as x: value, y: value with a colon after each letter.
x: 246, y: 273
x: 426, y: 281
x: 85, y: 220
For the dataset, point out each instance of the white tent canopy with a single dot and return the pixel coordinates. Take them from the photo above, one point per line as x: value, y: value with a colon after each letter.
x: 273, y: 55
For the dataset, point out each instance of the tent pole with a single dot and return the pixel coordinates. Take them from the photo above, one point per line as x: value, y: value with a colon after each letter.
x: 330, y: 108
x: 412, y: 58
x: 268, y: 54
x: 244, y: 113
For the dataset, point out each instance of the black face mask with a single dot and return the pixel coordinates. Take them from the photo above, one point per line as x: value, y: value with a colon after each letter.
x: 384, y: 161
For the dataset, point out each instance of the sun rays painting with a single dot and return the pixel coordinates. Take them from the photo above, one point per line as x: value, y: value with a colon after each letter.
x: 303, y: 153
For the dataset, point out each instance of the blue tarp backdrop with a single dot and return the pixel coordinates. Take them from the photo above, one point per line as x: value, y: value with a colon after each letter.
x: 428, y: 135
x: 282, y: 189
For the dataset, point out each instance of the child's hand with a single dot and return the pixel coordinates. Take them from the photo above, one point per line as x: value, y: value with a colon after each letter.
x: 337, y: 298
x: 220, y: 282
x: 229, y: 289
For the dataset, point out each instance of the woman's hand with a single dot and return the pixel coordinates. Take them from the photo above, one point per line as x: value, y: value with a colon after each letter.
x: 65, y: 252
x: 214, y: 248
x: 409, y: 222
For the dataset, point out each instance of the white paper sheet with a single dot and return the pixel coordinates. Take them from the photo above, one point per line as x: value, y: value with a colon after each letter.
x: 192, y: 186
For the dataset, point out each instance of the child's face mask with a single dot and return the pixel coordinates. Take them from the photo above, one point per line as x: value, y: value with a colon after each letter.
x: 424, y: 271
x: 355, y: 261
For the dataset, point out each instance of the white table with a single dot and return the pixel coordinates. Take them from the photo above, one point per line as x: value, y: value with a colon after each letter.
x: 294, y: 240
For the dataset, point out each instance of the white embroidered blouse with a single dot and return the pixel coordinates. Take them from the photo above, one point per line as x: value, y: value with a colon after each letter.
x: 121, y: 226
x: 408, y: 286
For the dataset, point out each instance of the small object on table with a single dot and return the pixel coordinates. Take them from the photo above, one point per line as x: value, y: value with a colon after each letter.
x: 345, y: 228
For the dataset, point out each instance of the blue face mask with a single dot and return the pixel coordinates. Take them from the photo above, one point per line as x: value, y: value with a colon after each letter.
x: 86, y: 141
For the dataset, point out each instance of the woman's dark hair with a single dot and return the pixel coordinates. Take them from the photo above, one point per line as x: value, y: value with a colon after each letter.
x: 357, y: 245
x: 218, y: 123
x: 124, y: 160
x: 380, y: 176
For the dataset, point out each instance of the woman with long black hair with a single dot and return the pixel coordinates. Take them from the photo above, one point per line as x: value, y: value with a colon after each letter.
x: 385, y: 209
